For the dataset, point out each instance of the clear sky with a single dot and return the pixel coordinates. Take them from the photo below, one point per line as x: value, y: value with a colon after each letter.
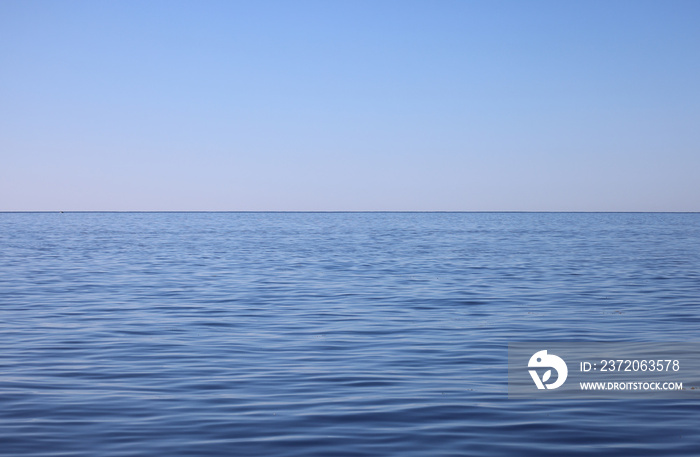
x: 350, y: 105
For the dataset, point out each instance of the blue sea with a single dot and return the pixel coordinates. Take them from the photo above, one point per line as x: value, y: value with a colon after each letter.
x: 331, y: 334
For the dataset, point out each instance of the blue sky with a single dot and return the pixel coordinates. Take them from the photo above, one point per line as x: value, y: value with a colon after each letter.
x: 350, y: 105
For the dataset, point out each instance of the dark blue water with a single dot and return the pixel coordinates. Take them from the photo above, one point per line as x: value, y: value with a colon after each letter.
x: 331, y: 334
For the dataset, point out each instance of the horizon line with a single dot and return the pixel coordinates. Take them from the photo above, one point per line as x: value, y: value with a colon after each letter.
x: 348, y: 211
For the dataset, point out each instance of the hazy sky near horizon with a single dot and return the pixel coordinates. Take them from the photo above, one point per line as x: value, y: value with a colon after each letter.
x: 350, y: 105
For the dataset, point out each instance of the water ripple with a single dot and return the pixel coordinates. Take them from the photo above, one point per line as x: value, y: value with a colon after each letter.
x: 316, y: 334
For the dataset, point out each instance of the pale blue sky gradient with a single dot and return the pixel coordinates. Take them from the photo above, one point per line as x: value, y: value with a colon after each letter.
x: 350, y: 105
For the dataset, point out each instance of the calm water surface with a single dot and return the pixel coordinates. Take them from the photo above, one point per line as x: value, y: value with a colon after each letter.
x: 331, y: 334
